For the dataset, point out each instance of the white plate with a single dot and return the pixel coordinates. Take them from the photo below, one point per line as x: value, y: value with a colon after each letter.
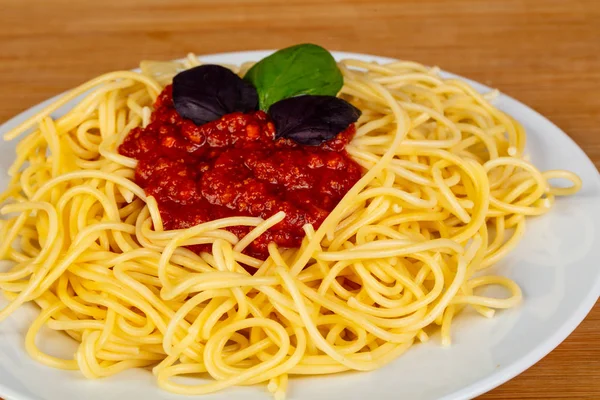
x: 556, y: 265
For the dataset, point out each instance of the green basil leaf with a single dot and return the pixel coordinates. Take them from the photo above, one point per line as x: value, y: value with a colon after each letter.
x: 293, y: 71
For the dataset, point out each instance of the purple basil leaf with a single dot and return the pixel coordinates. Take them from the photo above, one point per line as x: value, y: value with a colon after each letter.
x: 208, y: 92
x: 312, y: 120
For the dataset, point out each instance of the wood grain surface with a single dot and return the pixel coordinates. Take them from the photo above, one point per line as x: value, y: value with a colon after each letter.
x: 546, y: 53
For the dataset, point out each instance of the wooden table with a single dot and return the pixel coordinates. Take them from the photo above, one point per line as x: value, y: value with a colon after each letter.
x: 546, y: 53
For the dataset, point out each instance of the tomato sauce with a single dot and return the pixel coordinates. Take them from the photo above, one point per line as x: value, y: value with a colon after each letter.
x: 234, y: 166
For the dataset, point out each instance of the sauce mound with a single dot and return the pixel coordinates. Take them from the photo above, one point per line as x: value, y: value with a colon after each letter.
x: 234, y: 166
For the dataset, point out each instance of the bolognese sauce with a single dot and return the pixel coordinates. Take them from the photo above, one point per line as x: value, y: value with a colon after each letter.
x: 235, y: 166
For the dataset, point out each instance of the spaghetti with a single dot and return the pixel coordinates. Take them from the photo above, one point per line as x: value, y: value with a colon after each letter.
x: 445, y: 196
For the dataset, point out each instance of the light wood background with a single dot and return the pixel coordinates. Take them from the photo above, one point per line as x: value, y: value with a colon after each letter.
x: 546, y: 53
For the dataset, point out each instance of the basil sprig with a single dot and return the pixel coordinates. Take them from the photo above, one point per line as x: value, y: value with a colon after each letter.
x: 296, y: 86
x: 294, y: 71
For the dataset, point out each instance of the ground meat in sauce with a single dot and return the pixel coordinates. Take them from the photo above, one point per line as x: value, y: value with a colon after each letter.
x: 234, y: 167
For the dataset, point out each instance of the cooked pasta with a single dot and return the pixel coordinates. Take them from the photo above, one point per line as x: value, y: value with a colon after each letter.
x: 445, y: 193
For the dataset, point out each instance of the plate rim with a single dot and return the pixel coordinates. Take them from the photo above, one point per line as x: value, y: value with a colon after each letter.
x: 492, y: 380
